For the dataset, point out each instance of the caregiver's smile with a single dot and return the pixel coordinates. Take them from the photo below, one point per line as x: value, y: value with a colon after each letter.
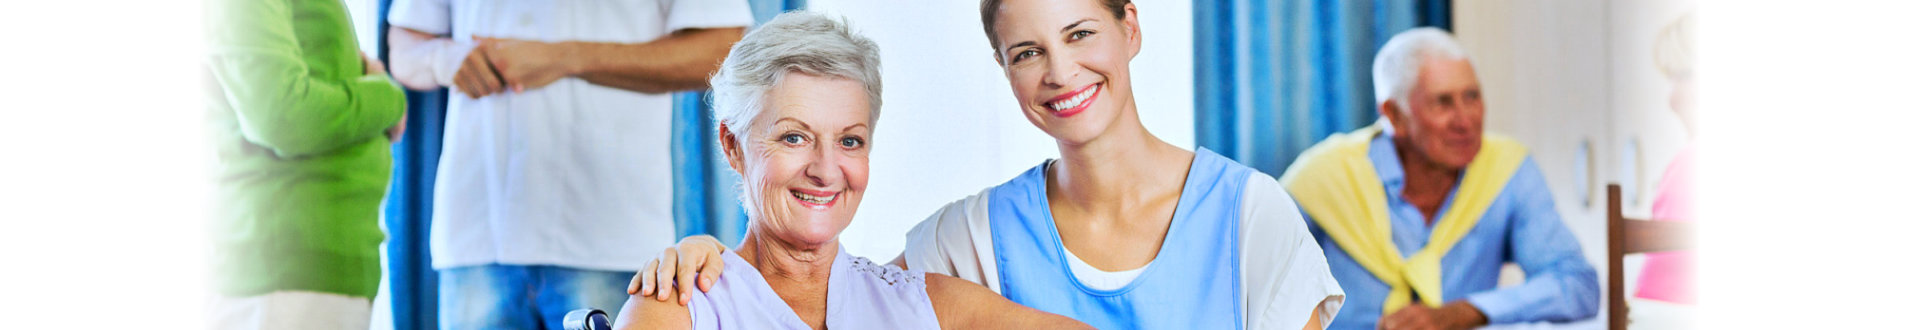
x: 1072, y: 103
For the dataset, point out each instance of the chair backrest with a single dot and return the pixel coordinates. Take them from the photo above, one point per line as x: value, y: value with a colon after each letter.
x: 1631, y: 236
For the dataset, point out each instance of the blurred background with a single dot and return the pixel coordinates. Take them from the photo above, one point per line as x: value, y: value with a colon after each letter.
x: 1257, y: 81
x: 103, y: 192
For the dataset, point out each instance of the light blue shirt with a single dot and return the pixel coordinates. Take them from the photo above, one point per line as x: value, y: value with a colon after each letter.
x: 1521, y: 226
x: 1192, y: 283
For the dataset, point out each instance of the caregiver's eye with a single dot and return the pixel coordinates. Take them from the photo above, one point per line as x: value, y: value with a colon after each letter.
x: 1025, y: 54
x: 852, y: 142
x: 1082, y: 34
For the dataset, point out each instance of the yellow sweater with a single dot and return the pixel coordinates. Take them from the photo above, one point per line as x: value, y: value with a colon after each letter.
x: 1335, y: 183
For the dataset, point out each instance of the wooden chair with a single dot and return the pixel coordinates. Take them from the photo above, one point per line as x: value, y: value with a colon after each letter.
x: 1633, y: 236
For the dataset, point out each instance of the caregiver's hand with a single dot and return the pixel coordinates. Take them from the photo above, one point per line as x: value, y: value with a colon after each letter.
x: 697, y: 255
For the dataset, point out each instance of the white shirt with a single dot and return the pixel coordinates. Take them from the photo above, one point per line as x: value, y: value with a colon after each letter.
x: 572, y: 174
x: 1097, y: 279
x: 1283, y: 273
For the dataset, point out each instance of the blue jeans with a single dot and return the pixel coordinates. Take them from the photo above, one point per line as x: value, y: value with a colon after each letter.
x: 525, y: 297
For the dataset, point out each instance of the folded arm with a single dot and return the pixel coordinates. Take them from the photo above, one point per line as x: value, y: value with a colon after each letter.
x: 423, y: 61
x: 676, y: 62
x: 1561, y: 285
x: 679, y: 61
x: 259, y: 65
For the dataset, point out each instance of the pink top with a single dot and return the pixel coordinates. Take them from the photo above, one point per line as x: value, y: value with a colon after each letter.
x: 860, y: 295
x: 1668, y: 276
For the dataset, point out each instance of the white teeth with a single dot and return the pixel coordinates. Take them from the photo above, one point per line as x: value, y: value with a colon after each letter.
x: 1063, y: 105
x: 814, y: 199
x: 1074, y: 101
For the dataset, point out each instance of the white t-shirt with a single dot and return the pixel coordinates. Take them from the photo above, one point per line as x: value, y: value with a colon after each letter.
x: 1097, y: 279
x: 571, y: 174
x: 1283, y: 272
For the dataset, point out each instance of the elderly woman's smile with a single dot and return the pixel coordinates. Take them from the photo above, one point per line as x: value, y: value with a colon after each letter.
x: 805, y: 156
x: 815, y: 199
x: 796, y: 101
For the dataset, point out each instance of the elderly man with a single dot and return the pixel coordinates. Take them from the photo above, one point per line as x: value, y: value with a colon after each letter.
x: 556, y: 162
x: 1418, y: 212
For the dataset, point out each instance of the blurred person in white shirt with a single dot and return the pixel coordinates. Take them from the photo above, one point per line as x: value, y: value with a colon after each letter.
x: 556, y: 159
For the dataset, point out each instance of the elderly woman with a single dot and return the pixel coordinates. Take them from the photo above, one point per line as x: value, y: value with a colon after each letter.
x: 797, y: 100
x: 1125, y: 230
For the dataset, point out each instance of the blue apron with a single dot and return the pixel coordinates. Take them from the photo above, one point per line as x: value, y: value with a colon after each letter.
x: 1194, y: 283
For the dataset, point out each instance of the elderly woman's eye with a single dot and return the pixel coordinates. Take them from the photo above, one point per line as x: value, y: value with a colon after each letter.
x: 851, y: 142
x: 793, y: 139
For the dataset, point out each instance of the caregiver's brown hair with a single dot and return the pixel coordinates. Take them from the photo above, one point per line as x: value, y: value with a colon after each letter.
x: 990, y: 13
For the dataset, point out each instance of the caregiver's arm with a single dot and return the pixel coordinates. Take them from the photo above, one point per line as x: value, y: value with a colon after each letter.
x: 943, y: 243
x: 1313, y: 320
x: 947, y: 242
x: 960, y: 304
x: 696, y: 260
x: 1290, y: 277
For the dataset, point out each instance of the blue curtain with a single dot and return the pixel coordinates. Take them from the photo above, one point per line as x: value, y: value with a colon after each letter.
x: 704, y: 193
x: 414, y: 289
x: 1274, y: 77
x: 706, y: 200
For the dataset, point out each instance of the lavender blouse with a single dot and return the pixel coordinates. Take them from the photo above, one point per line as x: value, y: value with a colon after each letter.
x: 860, y: 295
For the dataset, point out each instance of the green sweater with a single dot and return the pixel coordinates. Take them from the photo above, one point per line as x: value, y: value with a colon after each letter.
x: 299, y: 132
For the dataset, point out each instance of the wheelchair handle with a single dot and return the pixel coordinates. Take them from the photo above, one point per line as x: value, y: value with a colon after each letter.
x: 587, y: 319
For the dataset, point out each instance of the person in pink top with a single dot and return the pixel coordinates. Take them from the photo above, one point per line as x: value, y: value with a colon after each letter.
x: 796, y: 101
x: 1668, y: 276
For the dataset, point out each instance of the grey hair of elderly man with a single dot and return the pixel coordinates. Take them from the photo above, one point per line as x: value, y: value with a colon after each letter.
x: 1397, y: 66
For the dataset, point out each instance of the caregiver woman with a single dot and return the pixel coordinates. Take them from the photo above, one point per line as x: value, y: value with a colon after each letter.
x: 797, y: 100
x: 1124, y: 230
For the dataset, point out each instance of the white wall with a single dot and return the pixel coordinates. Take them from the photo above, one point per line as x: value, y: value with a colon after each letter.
x: 1646, y: 133
x: 1558, y: 75
x: 949, y: 127
x: 1640, y: 92
x: 1543, y: 68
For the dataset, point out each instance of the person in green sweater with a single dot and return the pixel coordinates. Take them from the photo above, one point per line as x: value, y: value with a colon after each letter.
x: 301, y: 122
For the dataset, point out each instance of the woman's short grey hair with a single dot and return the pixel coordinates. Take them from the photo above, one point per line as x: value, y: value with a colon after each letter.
x: 1397, y: 65
x: 795, y: 41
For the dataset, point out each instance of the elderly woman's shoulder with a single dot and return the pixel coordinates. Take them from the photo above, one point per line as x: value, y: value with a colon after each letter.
x: 644, y: 313
x: 888, y: 274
